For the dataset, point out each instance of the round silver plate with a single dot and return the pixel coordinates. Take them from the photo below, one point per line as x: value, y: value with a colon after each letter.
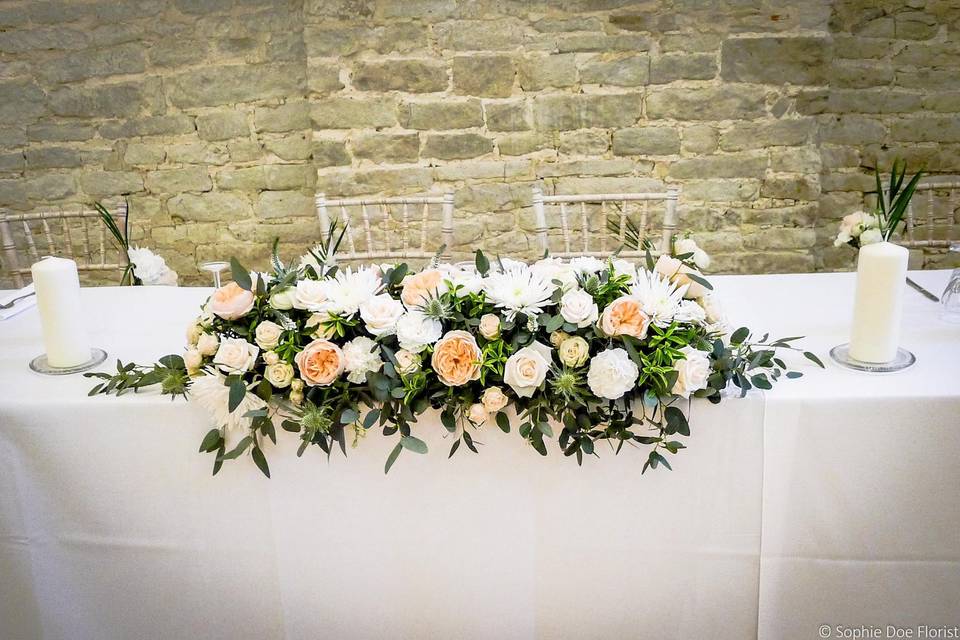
x: 903, y: 360
x: 40, y: 364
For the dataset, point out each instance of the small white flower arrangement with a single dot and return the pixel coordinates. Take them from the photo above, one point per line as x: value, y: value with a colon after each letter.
x: 860, y: 228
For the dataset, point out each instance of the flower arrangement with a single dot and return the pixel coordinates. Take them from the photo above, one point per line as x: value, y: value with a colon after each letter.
x: 144, y: 267
x: 584, y: 351
x: 860, y: 228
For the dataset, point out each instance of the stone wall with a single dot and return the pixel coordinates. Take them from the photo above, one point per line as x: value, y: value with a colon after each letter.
x: 219, y: 119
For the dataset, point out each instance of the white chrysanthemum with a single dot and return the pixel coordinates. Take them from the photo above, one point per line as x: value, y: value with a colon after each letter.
x: 659, y: 298
x: 415, y: 331
x: 362, y: 356
x: 690, y: 312
x: 519, y: 291
x: 509, y: 264
x: 349, y: 289
x: 210, y: 393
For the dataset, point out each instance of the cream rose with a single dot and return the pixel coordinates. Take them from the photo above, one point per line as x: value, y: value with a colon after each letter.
x: 380, y: 314
x: 236, y: 355
x: 320, y: 363
x: 678, y: 274
x: 577, y: 307
x: 612, y: 373
x: 267, y: 334
x: 208, y: 343
x: 494, y: 399
x: 415, y: 331
x: 271, y: 357
x: 477, y: 414
x: 407, y: 362
x: 420, y: 286
x: 231, y: 301
x: 625, y: 317
x: 310, y: 295
x: 490, y: 326
x: 318, y: 322
x: 687, y: 245
x: 526, y: 369
x: 283, y: 300
x: 279, y: 374
x: 692, y: 371
x: 193, y: 333
x: 456, y: 359
x: 193, y: 360
x: 557, y: 337
x: 574, y: 351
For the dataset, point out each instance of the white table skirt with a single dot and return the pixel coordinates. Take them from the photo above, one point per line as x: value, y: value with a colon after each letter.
x: 832, y: 499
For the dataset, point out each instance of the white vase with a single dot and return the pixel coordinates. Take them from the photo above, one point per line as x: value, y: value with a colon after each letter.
x: 878, y: 304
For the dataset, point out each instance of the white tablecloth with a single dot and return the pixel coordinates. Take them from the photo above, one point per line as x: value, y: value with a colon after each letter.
x: 831, y: 500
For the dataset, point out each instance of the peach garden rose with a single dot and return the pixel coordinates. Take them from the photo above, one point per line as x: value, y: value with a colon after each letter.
x: 624, y: 317
x: 456, y: 359
x: 231, y: 301
x: 320, y: 363
x: 419, y: 287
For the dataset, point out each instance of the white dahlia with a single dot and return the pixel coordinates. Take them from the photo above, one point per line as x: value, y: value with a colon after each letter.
x: 519, y: 291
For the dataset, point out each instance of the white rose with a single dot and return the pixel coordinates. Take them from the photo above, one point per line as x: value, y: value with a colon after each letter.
x: 690, y: 312
x: 494, y: 399
x: 361, y: 356
x: 692, y: 371
x: 551, y: 269
x: 612, y: 373
x: 415, y: 331
x: 577, y: 307
x: 271, y: 357
x: 623, y: 267
x: 587, y: 265
x: 236, y: 355
x: 477, y: 414
x: 465, y: 281
x: 283, y: 300
x: 279, y: 374
x: 193, y: 360
x: 574, y: 351
x: 870, y: 236
x: 489, y: 326
x: 208, y: 344
x: 687, y: 245
x: 267, y: 334
x: 380, y: 314
x: 713, y: 309
x: 310, y: 295
x: 193, y: 333
x: 407, y: 362
x: 526, y: 369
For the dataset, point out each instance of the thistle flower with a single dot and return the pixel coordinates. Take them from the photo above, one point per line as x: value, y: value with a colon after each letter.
x: 569, y: 384
x: 315, y: 419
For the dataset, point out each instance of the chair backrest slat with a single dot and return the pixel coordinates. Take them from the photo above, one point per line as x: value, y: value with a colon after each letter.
x: 48, y: 236
x: 28, y: 234
x: 396, y: 226
x: 668, y: 198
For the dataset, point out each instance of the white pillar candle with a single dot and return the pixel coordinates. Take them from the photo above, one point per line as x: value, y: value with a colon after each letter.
x: 61, y: 316
x: 877, y: 311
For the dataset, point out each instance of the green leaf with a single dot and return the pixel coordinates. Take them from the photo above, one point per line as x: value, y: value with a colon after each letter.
x: 760, y: 381
x: 291, y: 426
x: 218, y: 461
x: 173, y: 361
x: 265, y: 390
x: 586, y: 444
x: 545, y: 429
x: 632, y: 351
x: 739, y: 336
x: 392, y: 458
x: 349, y: 416
x: 676, y: 421
x: 453, y: 449
x: 371, y: 418
x: 398, y: 273
x: 503, y: 422
x: 412, y: 443
x: 261, y: 461
x: 238, y: 450
x: 241, y: 275
x: 482, y: 263
x: 793, y: 374
x: 813, y: 358
x: 448, y: 421
x: 700, y: 280
x: 210, y: 441
x: 237, y: 392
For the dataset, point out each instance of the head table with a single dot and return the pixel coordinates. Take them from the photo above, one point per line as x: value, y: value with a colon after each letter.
x: 832, y: 500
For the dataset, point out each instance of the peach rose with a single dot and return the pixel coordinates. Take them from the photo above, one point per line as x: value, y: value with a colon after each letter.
x: 456, y: 358
x: 676, y: 272
x: 320, y: 363
x: 231, y: 301
x: 418, y: 287
x: 623, y: 316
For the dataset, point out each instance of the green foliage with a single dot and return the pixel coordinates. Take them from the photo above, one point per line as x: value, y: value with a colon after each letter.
x: 892, y: 205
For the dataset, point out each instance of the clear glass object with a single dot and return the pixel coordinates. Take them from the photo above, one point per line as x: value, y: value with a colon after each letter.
x: 215, y: 267
x: 951, y: 295
x: 41, y: 365
x: 903, y: 360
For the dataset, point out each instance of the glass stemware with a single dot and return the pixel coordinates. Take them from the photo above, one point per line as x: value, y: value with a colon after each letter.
x: 214, y: 267
x: 951, y: 295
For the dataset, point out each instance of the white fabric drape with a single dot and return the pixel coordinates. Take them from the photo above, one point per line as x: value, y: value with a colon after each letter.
x: 830, y: 500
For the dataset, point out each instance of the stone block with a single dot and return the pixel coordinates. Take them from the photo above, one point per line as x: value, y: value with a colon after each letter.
x: 483, y: 75
x: 519, y: 144
x: 354, y: 113
x: 293, y: 116
x: 330, y: 153
x: 387, y: 147
x: 110, y: 183
x: 670, y: 67
x: 92, y: 63
x: 854, y: 130
x: 586, y: 42
x: 52, y: 157
x: 228, y: 84
x: 536, y: 72
x: 751, y: 135
x: 567, y: 112
x: 12, y: 162
x: 283, y: 204
x: 480, y: 35
x: 53, y: 38
x: 768, y: 239
x: 590, y: 142
x: 737, y: 190
x: 799, y: 60
x: 167, y: 181
x: 723, y: 102
x: 392, y: 181
x: 196, y: 153
x: 699, y: 138
x: 448, y: 114
x: 223, y: 125
x: 169, y: 125
x: 13, y: 193
x: 631, y: 71
x: 297, y: 146
x: 507, y: 116
x: 937, y: 128
x: 50, y: 187
x: 796, y: 160
x: 646, y: 141
x: 456, y: 146
x: 208, y: 207
x: 279, y: 177
x: 55, y: 132
x: 731, y: 165
x: 323, y: 78
x: 144, y: 153
x: 793, y: 187
x: 23, y: 101
x: 412, y: 76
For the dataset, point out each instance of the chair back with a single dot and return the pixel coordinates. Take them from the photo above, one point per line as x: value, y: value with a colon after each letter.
x: 389, y: 228
x: 615, y: 210
x: 933, y: 215
x: 76, y: 234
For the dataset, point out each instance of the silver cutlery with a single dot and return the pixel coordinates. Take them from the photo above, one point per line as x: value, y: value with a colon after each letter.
x: 10, y: 304
x: 922, y: 291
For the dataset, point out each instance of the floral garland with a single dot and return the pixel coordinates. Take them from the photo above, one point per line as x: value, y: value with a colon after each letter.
x: 584, y: 350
